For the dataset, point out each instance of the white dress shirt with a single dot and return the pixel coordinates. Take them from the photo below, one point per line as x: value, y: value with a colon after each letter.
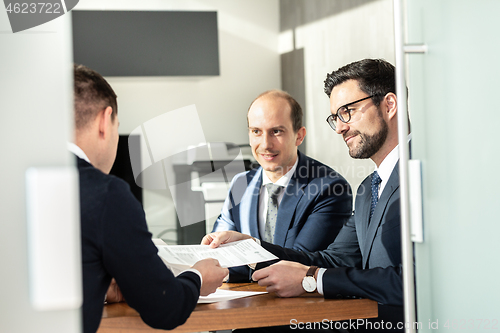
x: 77, y: 151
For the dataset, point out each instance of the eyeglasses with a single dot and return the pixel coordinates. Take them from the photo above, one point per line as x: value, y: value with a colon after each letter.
x: 343, y: 113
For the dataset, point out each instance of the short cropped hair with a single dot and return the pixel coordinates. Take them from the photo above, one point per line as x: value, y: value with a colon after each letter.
x: 375, y: 77
x: 92, y: 94
x: 296, y: 111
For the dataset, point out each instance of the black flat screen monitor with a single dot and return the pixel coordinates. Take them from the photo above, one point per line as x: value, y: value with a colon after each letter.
x: 122, y: 167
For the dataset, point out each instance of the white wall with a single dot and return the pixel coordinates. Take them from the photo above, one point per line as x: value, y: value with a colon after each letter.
x: 362, y: 32
x: 249, y: 65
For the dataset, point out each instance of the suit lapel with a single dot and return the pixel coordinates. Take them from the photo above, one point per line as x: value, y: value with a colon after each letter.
x: 249, y: 207
x: 293, y: 193
x: 362, y: 212
x: 390, y: 188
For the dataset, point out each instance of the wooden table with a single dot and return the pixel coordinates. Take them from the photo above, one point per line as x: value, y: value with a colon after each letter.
x: 255, y: 311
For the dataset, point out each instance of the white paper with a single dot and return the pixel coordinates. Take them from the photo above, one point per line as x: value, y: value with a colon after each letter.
x: 158, y: 241
x: 225, y: 295
x: 229, y: 255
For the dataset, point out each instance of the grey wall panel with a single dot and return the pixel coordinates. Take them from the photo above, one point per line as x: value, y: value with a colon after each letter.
x: 147, y: 43
x: 293, y: 81
x: 294, y: 13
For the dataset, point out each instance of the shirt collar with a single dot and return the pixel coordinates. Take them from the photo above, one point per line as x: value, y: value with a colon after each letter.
x: 77, y: 151
x: 285, y: 179
x: 389, y: 162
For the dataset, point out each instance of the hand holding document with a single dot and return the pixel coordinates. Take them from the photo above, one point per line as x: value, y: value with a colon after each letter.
x: 181, y: 257
x: 229, y: 255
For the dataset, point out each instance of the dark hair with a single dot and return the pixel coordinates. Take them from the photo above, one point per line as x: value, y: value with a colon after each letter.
x: 374, y: 76
x: 92, y: 94
x: 296, y: 111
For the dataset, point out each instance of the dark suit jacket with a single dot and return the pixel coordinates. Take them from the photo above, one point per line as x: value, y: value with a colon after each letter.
x: 365, y: 258
x: 316, y: 205
x: 116, y: 243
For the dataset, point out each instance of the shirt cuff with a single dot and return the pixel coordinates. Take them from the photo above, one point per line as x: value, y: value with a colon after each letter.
x: 196, y: 272
x: 319, y: 281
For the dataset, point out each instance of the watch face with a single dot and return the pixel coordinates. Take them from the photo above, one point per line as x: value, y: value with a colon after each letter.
x: 309, y: 284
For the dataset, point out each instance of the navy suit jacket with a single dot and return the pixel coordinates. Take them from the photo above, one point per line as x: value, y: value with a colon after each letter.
x: 116, y: 243
x: 365, y: 258
x: 316, y: 204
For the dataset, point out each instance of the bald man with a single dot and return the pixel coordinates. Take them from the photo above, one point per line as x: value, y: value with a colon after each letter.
x: 291, y: 200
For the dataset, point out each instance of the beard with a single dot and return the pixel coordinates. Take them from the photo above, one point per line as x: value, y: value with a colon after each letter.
x: 369, y: 145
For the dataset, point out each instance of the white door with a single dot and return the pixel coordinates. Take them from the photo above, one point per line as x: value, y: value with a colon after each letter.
x: 40, y: 274
x: 454, y: 108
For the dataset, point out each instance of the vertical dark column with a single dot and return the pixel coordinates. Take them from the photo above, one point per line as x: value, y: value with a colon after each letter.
x: 293, y: 81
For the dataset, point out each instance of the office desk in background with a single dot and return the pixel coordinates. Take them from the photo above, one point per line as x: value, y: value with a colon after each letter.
x: 255, y: 311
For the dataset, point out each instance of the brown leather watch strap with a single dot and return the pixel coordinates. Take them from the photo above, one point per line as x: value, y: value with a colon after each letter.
x: 311, y: 271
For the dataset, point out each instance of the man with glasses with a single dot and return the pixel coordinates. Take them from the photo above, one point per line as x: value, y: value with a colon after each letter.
x: 365, y: 258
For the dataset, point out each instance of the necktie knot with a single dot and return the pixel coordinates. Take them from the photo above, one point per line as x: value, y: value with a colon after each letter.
x: 376, y: 180
x: 273, y: 190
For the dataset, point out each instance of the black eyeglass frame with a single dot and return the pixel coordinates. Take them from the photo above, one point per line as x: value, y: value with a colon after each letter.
x: 333, y: 122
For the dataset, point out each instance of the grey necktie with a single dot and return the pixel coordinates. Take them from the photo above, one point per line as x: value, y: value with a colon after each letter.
x: 273, y: 192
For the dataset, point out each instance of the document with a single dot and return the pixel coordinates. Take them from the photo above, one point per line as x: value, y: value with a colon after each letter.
x: 226, y: 295
x: 180, y: 257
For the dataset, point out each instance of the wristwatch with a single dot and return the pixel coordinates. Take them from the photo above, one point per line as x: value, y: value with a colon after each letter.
x: 309, y: 282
